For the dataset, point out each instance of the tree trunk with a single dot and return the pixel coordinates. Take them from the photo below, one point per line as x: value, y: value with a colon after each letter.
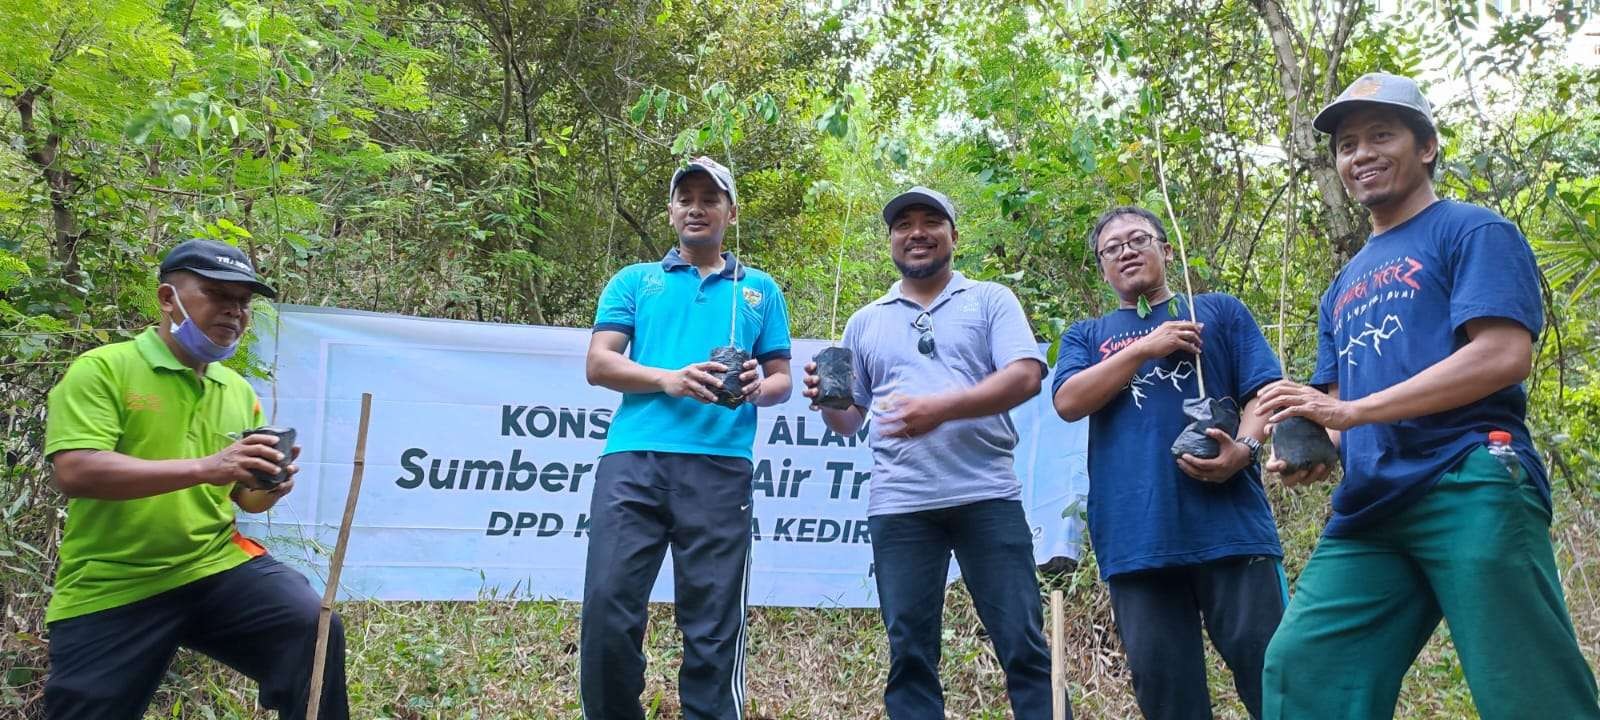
x: 44, y: 153
x: 1347, y: 226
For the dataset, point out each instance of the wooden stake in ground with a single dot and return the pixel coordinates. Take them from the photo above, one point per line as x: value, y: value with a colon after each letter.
x: 1058, y: 671
x: 325, y: 617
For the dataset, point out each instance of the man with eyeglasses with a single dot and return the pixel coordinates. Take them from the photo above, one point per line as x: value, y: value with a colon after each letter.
x: 1187, y: 542
x: 939, y: 361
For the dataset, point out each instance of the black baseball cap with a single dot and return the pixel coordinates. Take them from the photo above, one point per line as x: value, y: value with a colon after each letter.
x: 217, y: 261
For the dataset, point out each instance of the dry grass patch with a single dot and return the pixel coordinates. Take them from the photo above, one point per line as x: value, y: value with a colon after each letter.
x: 496, y: 659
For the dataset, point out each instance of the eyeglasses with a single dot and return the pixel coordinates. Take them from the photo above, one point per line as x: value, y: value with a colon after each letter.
x: 924, y: 325
x: 1137, y: 243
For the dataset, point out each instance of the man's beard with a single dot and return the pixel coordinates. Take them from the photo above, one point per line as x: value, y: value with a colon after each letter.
x: 928, y: 269
x: 1379, y: 199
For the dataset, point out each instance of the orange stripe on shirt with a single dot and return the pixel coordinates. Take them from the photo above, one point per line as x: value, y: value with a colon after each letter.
x: 250, y: 547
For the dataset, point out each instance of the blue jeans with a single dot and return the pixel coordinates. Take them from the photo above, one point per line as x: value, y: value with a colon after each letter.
x: 911, y: 554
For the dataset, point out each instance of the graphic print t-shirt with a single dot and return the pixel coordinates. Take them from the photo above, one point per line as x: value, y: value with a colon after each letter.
x: 1144, y: 512
x: 1400, y: 306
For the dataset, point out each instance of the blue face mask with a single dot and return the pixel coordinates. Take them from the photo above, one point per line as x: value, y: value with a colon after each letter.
x: 194, y: 341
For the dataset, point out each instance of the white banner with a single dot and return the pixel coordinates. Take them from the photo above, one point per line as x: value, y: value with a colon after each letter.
x: 481, y: 454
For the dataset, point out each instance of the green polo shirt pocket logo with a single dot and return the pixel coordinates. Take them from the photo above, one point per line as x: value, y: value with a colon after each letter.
x: 143, y: 402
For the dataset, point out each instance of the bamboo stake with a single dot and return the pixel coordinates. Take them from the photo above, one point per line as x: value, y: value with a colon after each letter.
x: 1058, y: 672
x: 336, y: 564
x: 1183, y: 253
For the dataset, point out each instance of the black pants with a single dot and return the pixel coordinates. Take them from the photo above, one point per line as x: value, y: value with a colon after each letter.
x: 644, y: 503
x: 911, y: 554
x: 1159, y: 614
x: 259, y: 618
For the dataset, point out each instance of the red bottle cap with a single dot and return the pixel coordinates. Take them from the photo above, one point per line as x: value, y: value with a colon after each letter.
x: 1499, y: 437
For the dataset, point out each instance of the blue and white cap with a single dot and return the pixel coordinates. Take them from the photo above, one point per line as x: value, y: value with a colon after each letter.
x: 720, y: 175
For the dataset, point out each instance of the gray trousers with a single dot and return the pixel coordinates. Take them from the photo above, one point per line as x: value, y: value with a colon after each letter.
x: 643, y: 504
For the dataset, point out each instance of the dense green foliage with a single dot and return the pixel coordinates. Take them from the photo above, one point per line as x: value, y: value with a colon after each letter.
x: 498, y: 159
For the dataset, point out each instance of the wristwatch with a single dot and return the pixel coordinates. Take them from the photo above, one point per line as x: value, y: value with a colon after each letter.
x: 1254, y: 445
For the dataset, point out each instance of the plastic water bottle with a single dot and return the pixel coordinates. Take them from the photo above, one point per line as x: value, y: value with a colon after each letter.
x: 1500, y: 448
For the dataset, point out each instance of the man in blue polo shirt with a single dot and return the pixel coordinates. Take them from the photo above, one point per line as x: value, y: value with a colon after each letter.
x: 940, y: 361
x: 677, y: 469
x: 1185, y: 544
x: 1425, y: 338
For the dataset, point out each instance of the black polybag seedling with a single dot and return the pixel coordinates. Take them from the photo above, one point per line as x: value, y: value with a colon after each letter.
x: 285, y: 436
x: 729, y: 391
x: 1302, y: 444
x: 1206, y: 413
x: 835, y: 375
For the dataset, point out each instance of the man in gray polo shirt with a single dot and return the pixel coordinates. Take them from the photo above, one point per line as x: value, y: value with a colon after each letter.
x: 939, y: 362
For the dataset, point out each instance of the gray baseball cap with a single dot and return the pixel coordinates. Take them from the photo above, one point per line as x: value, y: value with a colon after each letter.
x: 919, y: 195
x: 1378, y: 88
x: 720, y: 175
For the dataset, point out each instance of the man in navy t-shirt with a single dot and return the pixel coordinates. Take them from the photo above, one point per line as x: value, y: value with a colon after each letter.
x: 1425, y: 339
x: 1180, y: 542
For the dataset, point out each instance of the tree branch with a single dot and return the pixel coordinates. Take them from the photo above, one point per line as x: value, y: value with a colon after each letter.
x: 1349, y: 11
x: 1347, y: 230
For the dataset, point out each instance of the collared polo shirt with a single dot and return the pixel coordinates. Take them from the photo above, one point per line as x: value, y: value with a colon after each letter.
x: 674, y: 318
x: 978, y: 328
x: 136, y: 399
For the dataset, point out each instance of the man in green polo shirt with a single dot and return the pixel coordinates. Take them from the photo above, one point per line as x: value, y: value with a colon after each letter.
x: 141, y: 437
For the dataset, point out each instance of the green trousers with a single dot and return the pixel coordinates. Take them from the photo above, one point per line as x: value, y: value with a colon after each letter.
x: 1474, y: 551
